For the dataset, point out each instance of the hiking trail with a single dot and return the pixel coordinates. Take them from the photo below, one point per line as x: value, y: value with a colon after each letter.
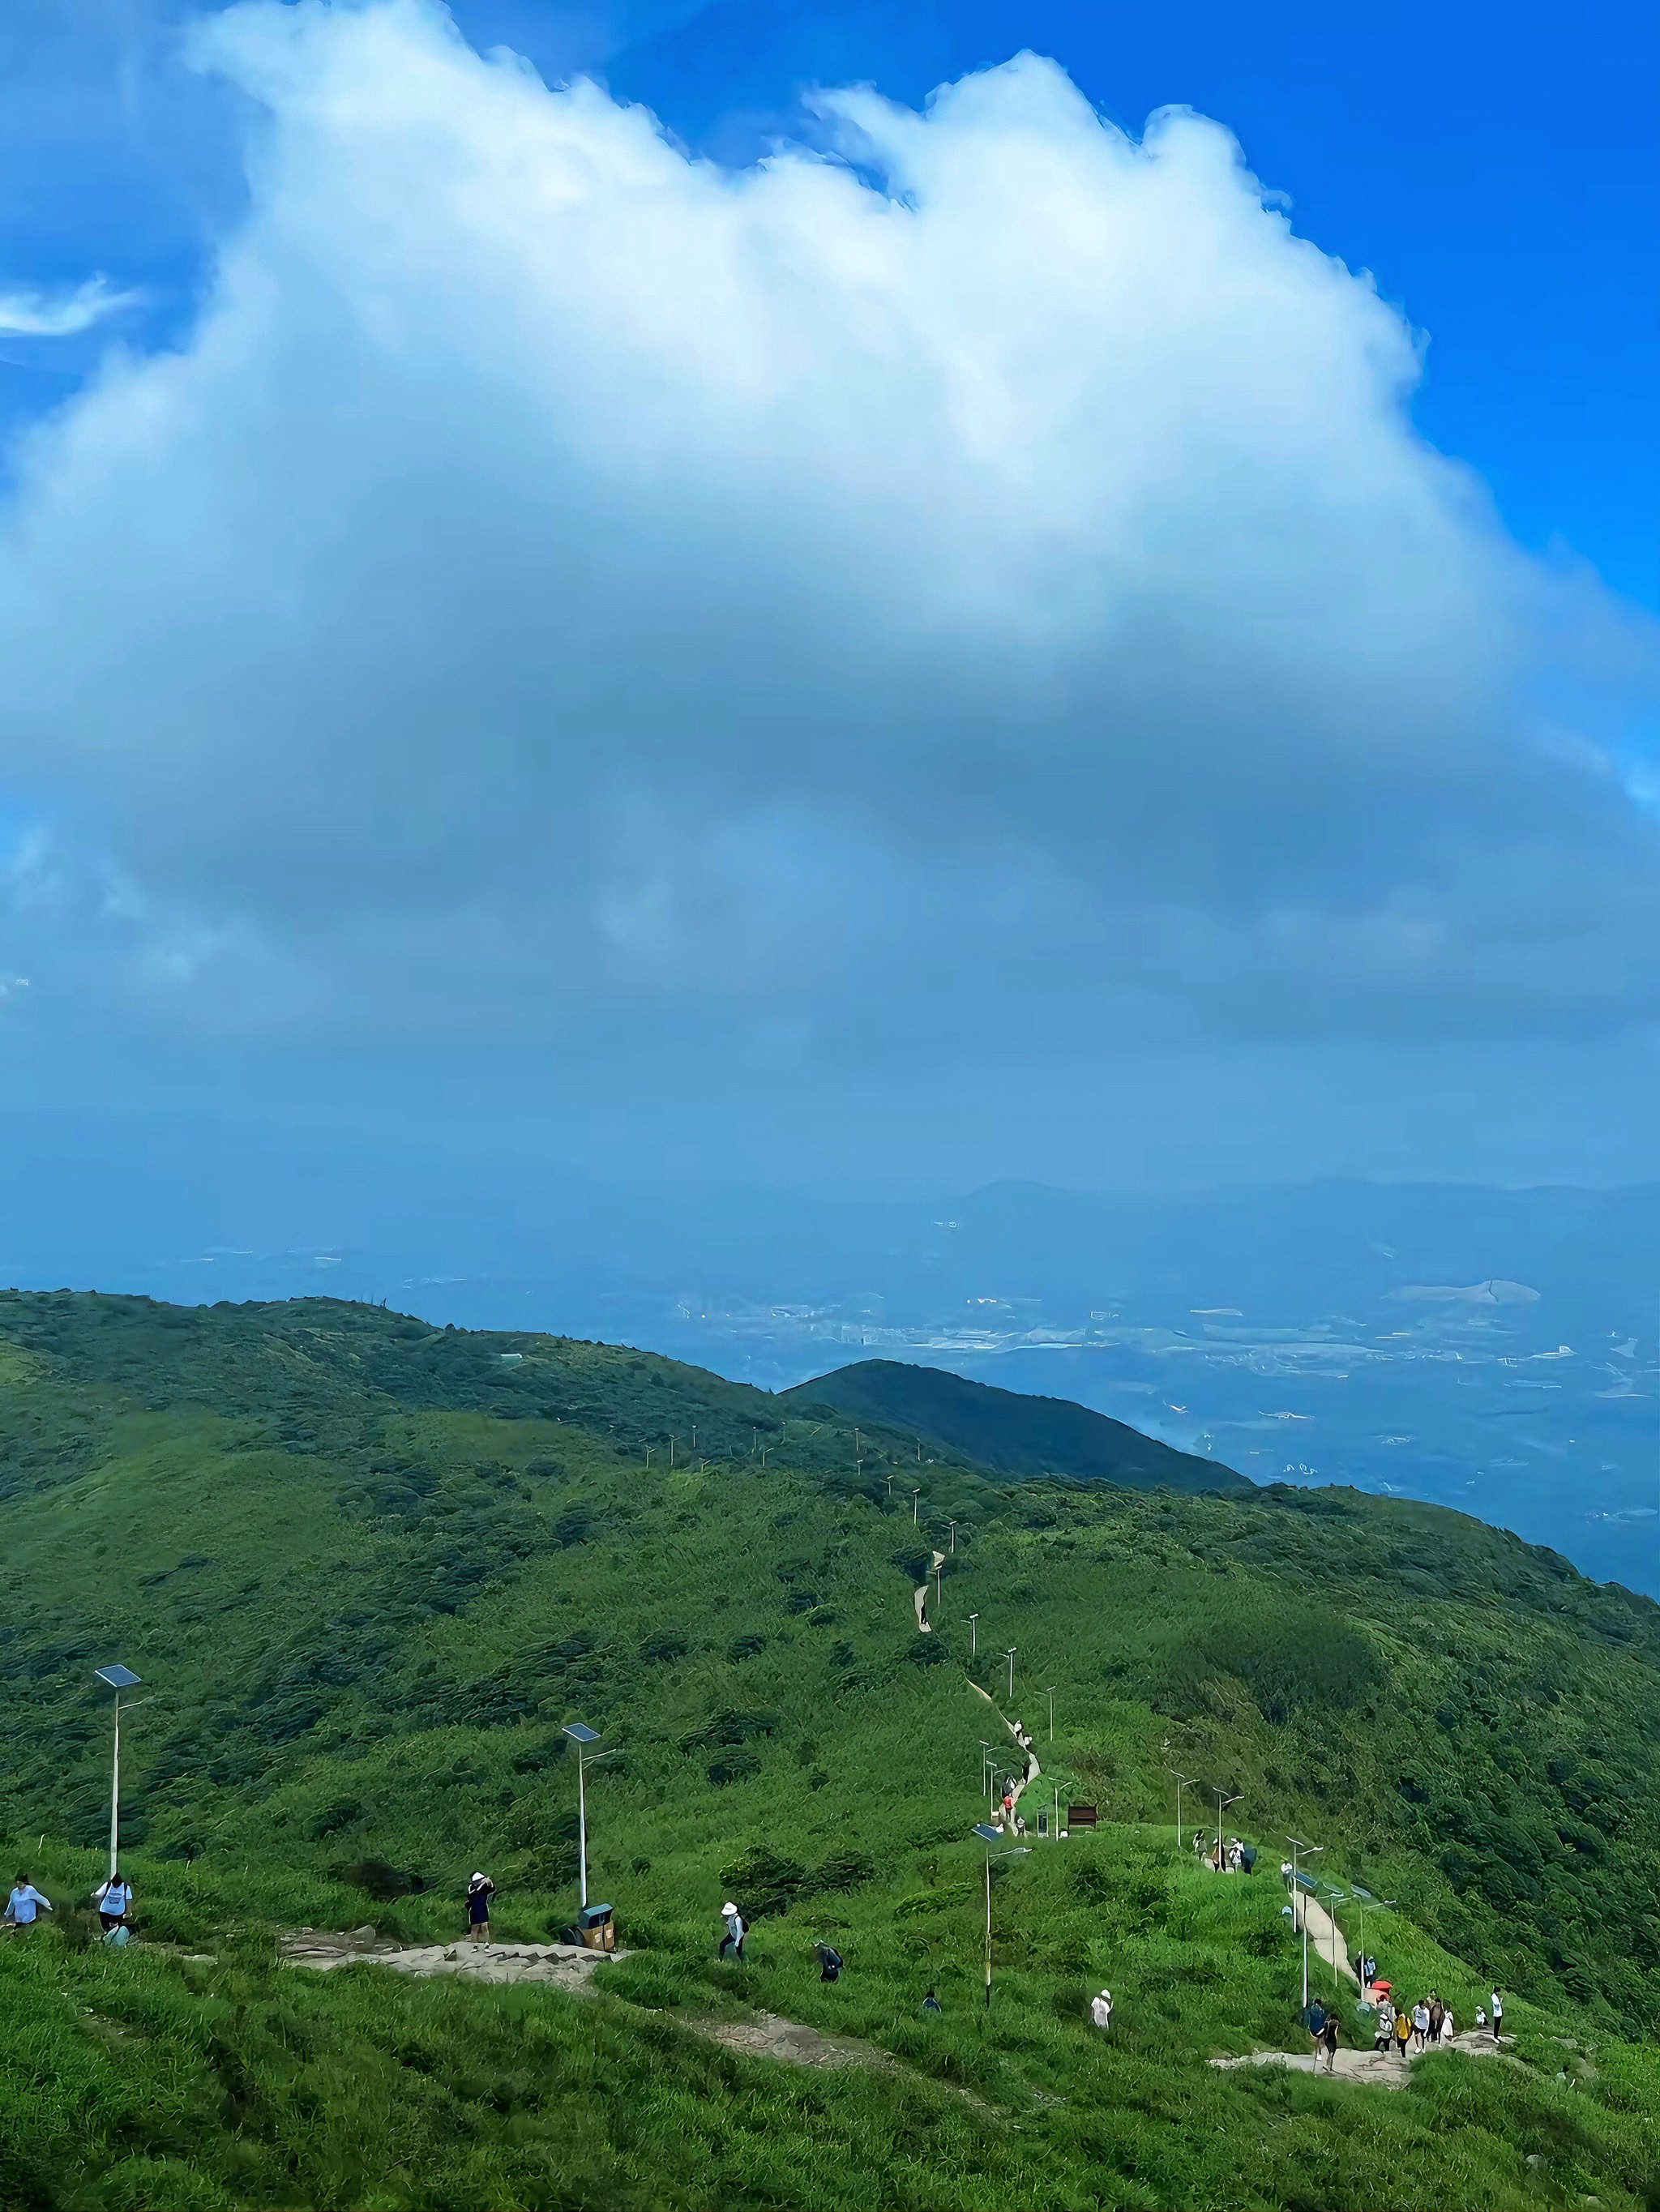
x: 1033, y: 1770
x: 1382, y: 2069
x: 562, y: 1966
x: 921, y: 1597
x: 1324, y: 1934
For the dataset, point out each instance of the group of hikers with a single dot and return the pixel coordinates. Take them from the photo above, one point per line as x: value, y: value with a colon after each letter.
x: 113, y: 1899
x: 1428, y: 2024
x: 1412, y: 2028
x: 1230, y: 1857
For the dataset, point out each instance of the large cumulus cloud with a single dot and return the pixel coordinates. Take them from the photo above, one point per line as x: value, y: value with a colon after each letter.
x: 976, y: 564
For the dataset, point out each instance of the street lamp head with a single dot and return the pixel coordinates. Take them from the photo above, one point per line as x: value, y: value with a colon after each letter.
x: 984, y: 1828
x: 118, y: 1678
x: 579, y: 1733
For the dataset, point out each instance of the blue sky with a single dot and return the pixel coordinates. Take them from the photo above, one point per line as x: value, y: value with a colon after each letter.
x: 966, y: 648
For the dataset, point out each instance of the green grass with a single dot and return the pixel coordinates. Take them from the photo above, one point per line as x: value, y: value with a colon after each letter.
x: 368, y: 1571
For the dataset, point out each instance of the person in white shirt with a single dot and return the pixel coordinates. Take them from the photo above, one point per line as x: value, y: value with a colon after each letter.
x: 1498, y: 2015
x: 26, y: 1903
x: 113, y: 1899
x: 1101, y: 2010
x: 1446, y: 2027
x: 732, y: 1941
x: 1420, y: 2023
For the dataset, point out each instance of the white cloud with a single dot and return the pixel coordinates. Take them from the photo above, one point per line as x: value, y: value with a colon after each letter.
x: 36, y: 314
x: 558, y: 574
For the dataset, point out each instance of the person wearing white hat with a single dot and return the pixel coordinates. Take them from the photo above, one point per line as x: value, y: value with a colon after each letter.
x: 732, y: 1941
x: 480, y: 1890
x: 1101, y: 2010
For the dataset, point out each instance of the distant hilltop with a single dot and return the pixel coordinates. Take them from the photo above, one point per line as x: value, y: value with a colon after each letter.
x: 1010, y: 1431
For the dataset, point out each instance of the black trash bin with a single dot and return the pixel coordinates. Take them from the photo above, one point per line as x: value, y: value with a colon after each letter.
x: 596, y: 1928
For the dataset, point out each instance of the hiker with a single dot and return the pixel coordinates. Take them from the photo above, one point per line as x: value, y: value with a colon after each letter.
x: 1385, y: 2032
x: 1420, y: 2023
x: 1498, y: 2015
x: 113, y: 1899
x: 1446, y: 2027
x: 1402, y: 2029
x: 1101, y: 2010
x: 1327, y: 2039
x: 1236, y: 1856
x: 732, y: 1941
x: 1480, y: 2015
x: 1314, y: 2023
x: 26, y: 1903
x: 830, y: 1962
x: 480, y: 1890
x: 931, y: 2002
x: 1437, y: 2013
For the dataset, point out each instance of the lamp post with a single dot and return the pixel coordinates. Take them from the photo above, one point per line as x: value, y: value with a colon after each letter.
x: 118, y: 1678
x: 1222, y: 1804
x: 915, y: 1494
x: 1299, y: 1902
x: 974, y: 1636
x: 1049, y: 1694
x: 985, y: 1761
x: 951, y: 1525
x: 990, y: 1835
x: 582, y: 1736
x: 1183, y: 1781
x: 1009, y: 1655
x: 1364, y: 1898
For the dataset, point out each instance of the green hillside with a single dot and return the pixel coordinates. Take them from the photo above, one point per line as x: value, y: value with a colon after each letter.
x: 368, y: 1568
x: 1009, y: 1431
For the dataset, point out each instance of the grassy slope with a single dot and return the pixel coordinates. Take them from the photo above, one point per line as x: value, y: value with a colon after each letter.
x: 1009, y: 1431
x: 369, y: 1574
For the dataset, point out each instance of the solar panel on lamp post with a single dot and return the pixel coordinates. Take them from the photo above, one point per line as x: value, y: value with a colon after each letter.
x: 990, y: 1835
x: 118, y: 1678
x: 582, y: 1736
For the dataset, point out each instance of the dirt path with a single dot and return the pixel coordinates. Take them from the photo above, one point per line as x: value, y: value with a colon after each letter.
x: 1325, y: 1936
x: 1382, y: 2069
x: 1033, y: 1770
x: 765, y: 2035
x: 919, y: 1597
x: 558, y: 1965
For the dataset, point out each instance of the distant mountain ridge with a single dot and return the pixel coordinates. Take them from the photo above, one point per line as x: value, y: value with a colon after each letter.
x: 1011, y: 1431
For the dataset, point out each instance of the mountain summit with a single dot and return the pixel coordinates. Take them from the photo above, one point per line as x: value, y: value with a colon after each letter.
x: 1010, y: 1431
